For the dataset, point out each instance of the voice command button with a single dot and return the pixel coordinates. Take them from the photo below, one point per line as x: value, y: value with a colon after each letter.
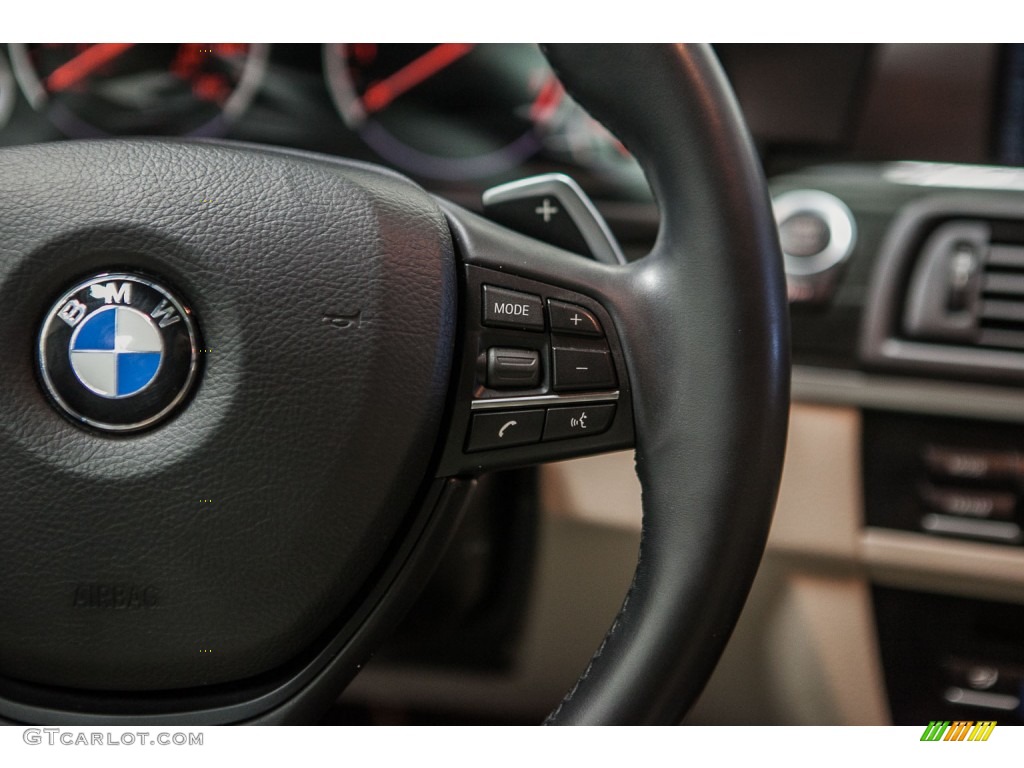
x: 578, y: 421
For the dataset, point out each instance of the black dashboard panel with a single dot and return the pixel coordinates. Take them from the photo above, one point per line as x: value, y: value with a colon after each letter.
x: 799, y: 95
x: 808, y: 104
x: 1010, y: 115
x: 929, y: 102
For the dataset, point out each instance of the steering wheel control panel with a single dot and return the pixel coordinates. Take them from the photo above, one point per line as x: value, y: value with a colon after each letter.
x: 542, y: 376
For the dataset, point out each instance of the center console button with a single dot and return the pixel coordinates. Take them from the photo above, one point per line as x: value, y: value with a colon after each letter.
x: 969, y: 464
x: 994, y: 505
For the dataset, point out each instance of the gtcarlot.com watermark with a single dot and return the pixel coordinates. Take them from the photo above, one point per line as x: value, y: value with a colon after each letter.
x: 72, y: 738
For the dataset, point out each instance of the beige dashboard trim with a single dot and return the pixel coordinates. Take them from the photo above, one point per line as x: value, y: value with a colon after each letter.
x: 911, y: 395
x: 914, y: 561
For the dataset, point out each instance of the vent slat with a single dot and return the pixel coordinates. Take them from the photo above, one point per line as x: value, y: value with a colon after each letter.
x: 995, y: 337
x: 1003, y: 282
x: 1002, y: 310
x: 1001, y: 320
x: 1008, y: 256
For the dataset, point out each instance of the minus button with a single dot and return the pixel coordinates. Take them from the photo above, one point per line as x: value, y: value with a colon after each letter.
x: 581, y: 369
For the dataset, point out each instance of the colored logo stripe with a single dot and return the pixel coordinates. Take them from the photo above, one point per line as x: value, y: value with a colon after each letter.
x: 935, y: 730
x: 982, y: 730
x: 959, y: 730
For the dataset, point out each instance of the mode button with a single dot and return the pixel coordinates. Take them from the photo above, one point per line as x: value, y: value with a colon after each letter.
x: 510, y: 309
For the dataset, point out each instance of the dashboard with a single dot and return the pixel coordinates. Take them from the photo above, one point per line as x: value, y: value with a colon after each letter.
x: 893, y: 587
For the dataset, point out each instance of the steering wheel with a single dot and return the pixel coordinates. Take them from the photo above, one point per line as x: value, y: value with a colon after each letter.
x: 246, y: 391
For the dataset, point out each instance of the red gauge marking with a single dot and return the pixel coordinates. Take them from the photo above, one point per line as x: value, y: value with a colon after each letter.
x: 212, y: 88
x: 191, y: 62
x: 364, y: 53
x: 81, y: 66
x: 226, y: 50
x: 547, y: 101
x: 385, y: 91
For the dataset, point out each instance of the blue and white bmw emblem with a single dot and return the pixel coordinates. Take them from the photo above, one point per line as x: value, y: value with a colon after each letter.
x: 118, y: 352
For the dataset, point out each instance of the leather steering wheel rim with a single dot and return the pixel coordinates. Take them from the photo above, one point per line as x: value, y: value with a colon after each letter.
x: 711, y: 397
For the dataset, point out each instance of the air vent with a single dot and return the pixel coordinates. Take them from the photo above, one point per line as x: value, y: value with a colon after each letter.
x: 947, y: 294
x: 943, y: 299
x: 1001, y: 302
x: 967, y: 289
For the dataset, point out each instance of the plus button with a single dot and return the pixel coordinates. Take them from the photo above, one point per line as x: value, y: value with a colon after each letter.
x: 546, y: 210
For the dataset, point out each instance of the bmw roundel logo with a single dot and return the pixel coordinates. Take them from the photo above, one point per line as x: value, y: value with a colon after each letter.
x: 118, y: 352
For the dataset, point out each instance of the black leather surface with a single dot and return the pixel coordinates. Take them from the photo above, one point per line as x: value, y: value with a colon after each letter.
x: 311, y: 439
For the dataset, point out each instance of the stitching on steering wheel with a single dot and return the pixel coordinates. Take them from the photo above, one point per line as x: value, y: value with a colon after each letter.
x: 611, y: 632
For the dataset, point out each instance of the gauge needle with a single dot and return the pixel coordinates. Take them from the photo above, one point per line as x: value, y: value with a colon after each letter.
x: 547, y: 100
x: 89, y: 60
x: 383, y: 92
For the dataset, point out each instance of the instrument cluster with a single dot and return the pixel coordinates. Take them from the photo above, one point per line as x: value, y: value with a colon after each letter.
x: 456, y: 116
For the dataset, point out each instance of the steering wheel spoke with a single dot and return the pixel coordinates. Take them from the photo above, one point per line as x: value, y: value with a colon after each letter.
x: 540, y: 372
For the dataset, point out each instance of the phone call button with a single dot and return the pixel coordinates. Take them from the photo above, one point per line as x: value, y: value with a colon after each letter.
x: 505, y: 428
